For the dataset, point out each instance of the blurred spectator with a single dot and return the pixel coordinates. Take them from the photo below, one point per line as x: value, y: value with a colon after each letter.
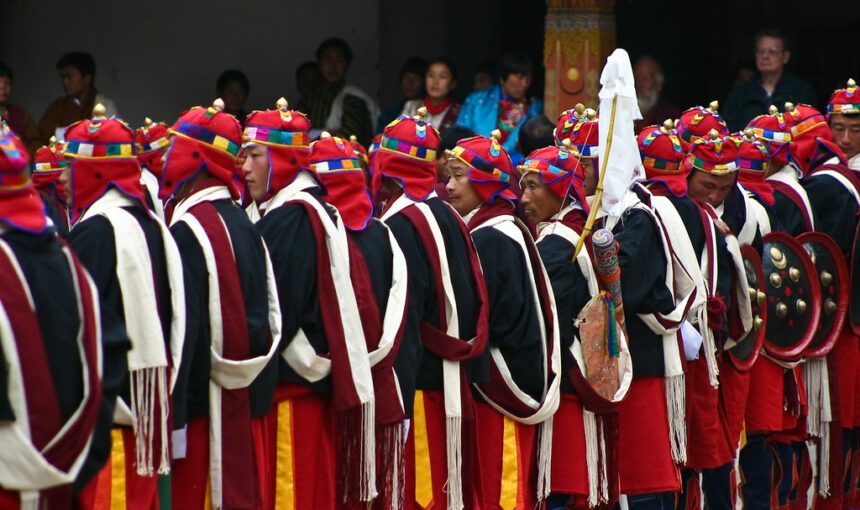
x: 233, y: 88
x: 335, y: 106
x: 442, y: 111
x: 16, y: 117
x: 773, y: 85
x: 503, y: 106
x: 449, y: 138
x: 744, y: 72
x: 485, y: 75
x: 411, y: 87
x: 78, y: 76
x: 308, y: 79
x: 535, y: 134
x: 649, y: 79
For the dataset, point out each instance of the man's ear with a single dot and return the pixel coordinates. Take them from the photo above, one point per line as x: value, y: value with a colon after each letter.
x: 786, y: 57
x: 88, y: 78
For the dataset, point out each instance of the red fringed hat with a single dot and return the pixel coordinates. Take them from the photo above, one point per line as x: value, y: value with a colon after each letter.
x: 490, y: 168
x: 774, y: 132
x: 103, y: 155
x: 407, y: 154
x: 152, y: 141
x: 284, y: 132
x: 752, y: 165
x: 662, y: 156
x: 334, y: 161
x: 580, y: 126
x: 48, y: 165
x: 203, y: 138
x: 811, y: 139
x: 844, y: 101
x: 714, y: 154
x: 560, y: 170
x: 697, y: 122
x: 20, y: 205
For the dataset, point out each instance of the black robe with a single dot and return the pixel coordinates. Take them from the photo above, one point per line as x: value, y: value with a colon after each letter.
x: 569, y: 287
x: 249, y: 254
x: 417, y: 367
x: 514, y: 318
x: 643, y: 286
x: 835, y: 209
x: 292, y: 245
x: 93, y: 240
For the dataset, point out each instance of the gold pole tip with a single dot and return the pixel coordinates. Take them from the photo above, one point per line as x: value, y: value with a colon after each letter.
x: 281, y: 104
x: 99, y: 111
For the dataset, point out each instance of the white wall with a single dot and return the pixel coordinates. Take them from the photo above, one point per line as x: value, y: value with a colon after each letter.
x: 158, y: 57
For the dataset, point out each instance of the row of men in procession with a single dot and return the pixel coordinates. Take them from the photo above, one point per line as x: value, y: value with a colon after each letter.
x: 280, y: 323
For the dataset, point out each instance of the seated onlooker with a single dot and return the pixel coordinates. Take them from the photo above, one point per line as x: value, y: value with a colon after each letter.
x: 440, y: 80
x: 233, y: 88
x: 78, y: 76
x: 411, y: 87
x: 308, y: 79
x: 16, y: 117
x: 335, y: 106
x: 485, y: 75
x: 648, y: 76
x: 503, y: 106
x: 772, y: 86
x: 535, y: 134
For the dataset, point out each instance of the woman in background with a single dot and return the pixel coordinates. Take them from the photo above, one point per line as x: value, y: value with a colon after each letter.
x: 440, y: 80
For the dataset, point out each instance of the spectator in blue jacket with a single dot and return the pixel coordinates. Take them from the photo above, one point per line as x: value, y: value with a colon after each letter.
x: 503, y: 106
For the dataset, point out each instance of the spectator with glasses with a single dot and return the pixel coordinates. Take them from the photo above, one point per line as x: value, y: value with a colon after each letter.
x: 772, y: 86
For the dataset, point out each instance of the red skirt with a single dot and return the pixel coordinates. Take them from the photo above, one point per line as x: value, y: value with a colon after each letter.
x: 189, y: 483
x: 645, y: 461
x: 707, y: 438
x: 507, y: 460
x: 300, y: 469
x: 734, y: 393
x: 426, y: 460
x: 569, y: 469
x: 847, y: 357
x: 118, y: 485
x: 765, y: 401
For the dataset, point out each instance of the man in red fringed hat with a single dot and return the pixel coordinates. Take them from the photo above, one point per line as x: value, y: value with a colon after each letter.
x: 700, y: 249
x: 833, y: 189
x: 234, y: 320
x: 581, y: 127
x: 136, y: 265
x: 152, y: 141
x: 48, y: 165
x: 554, y: 201
x: 52, y: 355
x: 447, y: 328
x: 514, y: 406
x: 379, y: 279
x: 324, y: 400
x: 843, y: 115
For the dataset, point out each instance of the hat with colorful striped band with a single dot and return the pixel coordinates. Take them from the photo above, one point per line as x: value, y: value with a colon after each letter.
x: 102, y: 155
x: 334, y: 161
x: 284, y: 133
x: 203, y: 138
x: 697, y: 122
x: 48, y: 165
x: 490, y: 168
x: 20, y: 205
x: 152, y: 141
x: 774, y: 132
x: 560, y: 171
x: 580, y: 126
x: 811, y: 139
x: 662, y: 156
x: 845, y: 101
x: 714, y: 154
x: 407, y: 153
x: 753, y: 164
